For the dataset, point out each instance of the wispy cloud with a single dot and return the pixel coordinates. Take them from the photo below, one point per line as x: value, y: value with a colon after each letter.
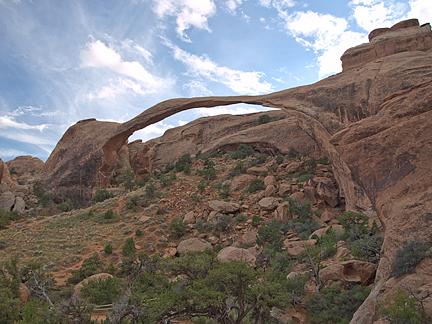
x: 238, y: 81
x: 151, y: 131
x: 9, y: 122
x: 233, y: 110
x: 232, y: 5
x: 188, y: 13
x: 5, y: 153
x: 197, y: 89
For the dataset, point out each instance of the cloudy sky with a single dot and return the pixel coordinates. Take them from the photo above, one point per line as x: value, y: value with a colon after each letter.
x: 64, y: 61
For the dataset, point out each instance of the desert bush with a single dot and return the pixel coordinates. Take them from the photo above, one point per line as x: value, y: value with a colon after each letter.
x: 263, y: 119
x: 201, y: 186
x: 271, y: 235
x: 256, y: 220
x: 102, y: 292
x: 138, y: 232
x: 65, y: 206
x: 177, y: 227
x: 108, y: 249
x: 324, y: 160
x: 101, y: 195
x: 239, y: 169
x: 333, y: 306
x: 38, y: 189
x: 242, y: 152
x: 225, y: 190
x: 304, y: 225
x: 255, y: 185
x: 292, y: 152
x: 260, y: 159
x: 184, y: 163
x: 106, y: 218
x: 241, y: 218
x: 89, y: 267
x: 408, y: 256
x: 7, y: 217
x: 46, y: 199
x: 150, y: 189
x: 224, y: 223
x: 304, y: 177
x: 129, y: 247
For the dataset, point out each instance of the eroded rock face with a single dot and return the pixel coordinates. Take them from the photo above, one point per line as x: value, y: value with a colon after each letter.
x: 404, y: 36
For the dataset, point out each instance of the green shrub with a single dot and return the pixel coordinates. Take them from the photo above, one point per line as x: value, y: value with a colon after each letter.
x: 279, y: 159
x: 403, y: 309
x: 271, y: 235
x: 129, y: 247
x: 102, y: 292
x: 224, y: 223
x: 127, y: 178
x: 408, y: 256
x: 259, y: 160
x: 263, y: 119
x: 304, y: 225
x: 239, y: 169
x: 256, y: 220
x: 292, y: 152
x: 255, y: 185
x: 184, y: 163
x: 150, y: 189
x: 7, y: 217
x: 101, y: 195
x: 335, y: 307
x: 201, y: 186
x: 65, y: 206
x: 108, y: 249
x: 177, y: 227
x: 324, y: 160
x: 209, y: 173
x: 89, y: 267
x: 169, y: 167
x: 310, y: 164
x: 38, y: 189
x: 106, y: 218
x: 138, y: 232
x: 273, y: 169
x: 225, y: 190
x: 241, y: 218
x: 46, y: 199
x: 242, y: 152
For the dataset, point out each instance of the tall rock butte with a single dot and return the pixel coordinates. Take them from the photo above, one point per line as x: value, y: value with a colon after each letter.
x: 373, y: 121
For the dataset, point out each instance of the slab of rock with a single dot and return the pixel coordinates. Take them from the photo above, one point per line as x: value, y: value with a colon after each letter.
x: 294, y: 167
x: 7, y: 200
x: 193, y: 244
x: 249, y: 238
x: 284, y: 190
x: 270, y: 191
x: 296, y: 247
x: 241, y: 182
x: 189, y: 218
x: 348, y: 272
x: 270, y: 180
x: 269, y: 203
x: 19, y: 205
x: 233, y: 253
x: 327, y: 216
x: 298, y: 196
x: 223, y: 206
x: 281, y: 211
x: 24, y: 293
x: 256, y: 170
x: 328, y: 194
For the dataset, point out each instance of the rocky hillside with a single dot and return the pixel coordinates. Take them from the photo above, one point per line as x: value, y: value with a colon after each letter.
x: 371, y: 121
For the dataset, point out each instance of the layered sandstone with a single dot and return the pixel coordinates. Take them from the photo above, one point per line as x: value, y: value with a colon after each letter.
x: 404, y: 36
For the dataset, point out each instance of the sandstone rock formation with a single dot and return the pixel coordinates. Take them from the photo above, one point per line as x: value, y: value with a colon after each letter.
x: 193, y: 244
x: 25, y: 168
x: 404, y: 36
x: 372, y: 121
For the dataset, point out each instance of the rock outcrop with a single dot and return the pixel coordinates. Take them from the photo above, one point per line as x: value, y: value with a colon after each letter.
x: 372, y: 121
x: 404, y: 36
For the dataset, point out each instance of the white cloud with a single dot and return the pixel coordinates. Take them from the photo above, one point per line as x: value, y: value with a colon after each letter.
x: 10, y: 152
x: 239, y: 81
x: 188, y: 13
x: 421, y: 9
x: 151, y: 131
x: 34, y: 112
x: 232, y: 5
x: 235, y: 110
x: 132, y: 46
x: 9, y: 122
x: 197, y: 89
x: 278, y: 4
x: 325, y: 34
x: 182, y: 122
x: 99, y: 56
x: 370, y: 15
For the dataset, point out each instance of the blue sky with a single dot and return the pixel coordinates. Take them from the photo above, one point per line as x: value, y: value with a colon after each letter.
x: 64, y: 61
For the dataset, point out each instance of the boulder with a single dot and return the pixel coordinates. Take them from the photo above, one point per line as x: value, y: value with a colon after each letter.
x: 327, y: 216
x: 270, y: 191
x: 19, y: 205
x: 189, y: 218
x: 24, y: 293
x: 214, y: 217
x: 296, y: 247
x: 270, y: 180
x: 348, y: 273
x: 269, y: 203
x: 7, y: 200
x: 193, y: 244
x: 233, y: 253
x: 223, y: 207
x: 284, y: 190
x: 281, y: 211
x: 241, y: 182
x: 249, y: 238
x: 328, y: 194
x: 298, y: 196
x: 294, y: 167
x: 256, y: 170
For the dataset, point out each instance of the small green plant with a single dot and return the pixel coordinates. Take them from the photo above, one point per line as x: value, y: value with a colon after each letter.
x: 201, y: 186
x: 108, y: 249
x: 273, y: 169
x: 324, y: 160
x: 408, y: 256
x: 12, y: 171
x: 129, y: 247
x: 138, y: 232
x: 263, y: 119
x: 241, y: 218
x: 65, y: 206
x: 107, y: 218
x: 255, y: 185
x: 225, y: 191
x: 101, y: 195
x: 292, y: 152
x: 101, y: 292
x: 256, y: 220
x: 403, y: 309
x: 150, y: 189
x: 184, y: 163
x: 242, y: 152
x: 177, y: 227
x: 304, y: 177
x: 127, y: 178
x: 279, y: 159
x: 263, y: 174
x: 46, y: 199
